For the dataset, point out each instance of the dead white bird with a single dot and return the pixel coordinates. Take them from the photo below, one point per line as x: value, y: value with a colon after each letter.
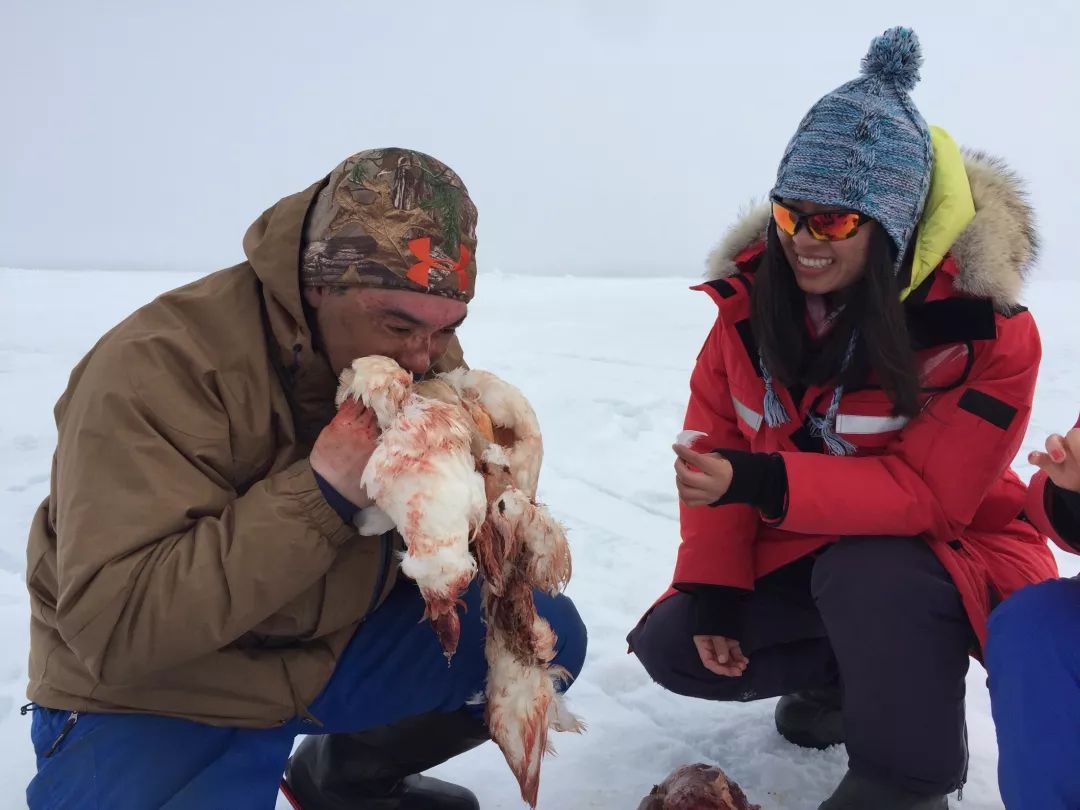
x: 423, y: 477
x: 459, y: 457
x: 524, y: 703
x: 511, y: 414
x: 521, y: 547
x: 547, y: 553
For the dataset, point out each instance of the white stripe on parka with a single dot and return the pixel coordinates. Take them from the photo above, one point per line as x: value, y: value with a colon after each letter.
x: 850, y: 423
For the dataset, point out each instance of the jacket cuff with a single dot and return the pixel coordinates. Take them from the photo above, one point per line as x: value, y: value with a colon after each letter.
x: 302, y: 485
x: 1063, y: 509
x: 758, y: 479
x: 345, y: 508
x: 716, y: 610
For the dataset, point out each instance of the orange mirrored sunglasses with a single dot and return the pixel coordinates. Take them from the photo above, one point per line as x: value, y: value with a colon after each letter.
x: 830, y: 226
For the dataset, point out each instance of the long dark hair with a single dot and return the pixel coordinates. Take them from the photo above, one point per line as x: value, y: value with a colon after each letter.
x: 872, y: 306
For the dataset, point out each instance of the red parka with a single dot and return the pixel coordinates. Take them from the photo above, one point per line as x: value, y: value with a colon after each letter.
x: 943, y: 475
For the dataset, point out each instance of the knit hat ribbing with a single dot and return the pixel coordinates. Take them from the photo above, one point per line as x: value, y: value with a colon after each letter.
x: 864, y: 145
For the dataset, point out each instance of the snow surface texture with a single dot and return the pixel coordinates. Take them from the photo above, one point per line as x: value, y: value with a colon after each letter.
x: 605, y: 363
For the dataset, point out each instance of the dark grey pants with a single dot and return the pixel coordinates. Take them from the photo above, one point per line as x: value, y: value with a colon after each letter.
x: 879, y: 615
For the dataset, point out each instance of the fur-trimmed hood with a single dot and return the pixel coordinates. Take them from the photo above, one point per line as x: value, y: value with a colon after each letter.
x: 993, y: 254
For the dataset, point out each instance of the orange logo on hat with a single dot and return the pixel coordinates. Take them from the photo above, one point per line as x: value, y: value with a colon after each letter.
x: 421, y: 249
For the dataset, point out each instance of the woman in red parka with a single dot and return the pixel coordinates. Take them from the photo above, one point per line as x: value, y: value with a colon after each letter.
x: 849, y: 517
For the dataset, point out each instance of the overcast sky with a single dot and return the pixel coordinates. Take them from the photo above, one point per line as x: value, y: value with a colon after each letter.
x: 606, y: 136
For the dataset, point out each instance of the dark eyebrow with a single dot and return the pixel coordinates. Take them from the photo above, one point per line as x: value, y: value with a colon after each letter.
x: 414, y: 321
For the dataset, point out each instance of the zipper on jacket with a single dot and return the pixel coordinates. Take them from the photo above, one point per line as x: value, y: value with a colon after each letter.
x: 69, y: 724
x: 386, y: 541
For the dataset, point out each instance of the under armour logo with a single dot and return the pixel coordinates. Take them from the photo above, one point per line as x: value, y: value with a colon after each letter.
x: 419, y: 272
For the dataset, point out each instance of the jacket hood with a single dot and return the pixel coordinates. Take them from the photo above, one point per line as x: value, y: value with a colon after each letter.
x: 977, y: 212
x: 272, y: 245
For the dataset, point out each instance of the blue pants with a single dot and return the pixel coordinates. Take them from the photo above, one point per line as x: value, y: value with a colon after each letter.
x: 392, y: 669
x: 1033, y: 657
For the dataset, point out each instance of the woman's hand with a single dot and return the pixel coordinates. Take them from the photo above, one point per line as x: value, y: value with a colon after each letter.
x: 1061, y: 461
x: 721, y: 656
x: 701, y: 478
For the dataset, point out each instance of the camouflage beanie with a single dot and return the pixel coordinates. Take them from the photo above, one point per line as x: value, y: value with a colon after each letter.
x: 392, y: 218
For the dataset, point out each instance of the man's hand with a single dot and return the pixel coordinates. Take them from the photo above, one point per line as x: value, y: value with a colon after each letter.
x: 343, y: 449
x: 1061, y: 461
x: 721, y: 656
x: 701, y: 478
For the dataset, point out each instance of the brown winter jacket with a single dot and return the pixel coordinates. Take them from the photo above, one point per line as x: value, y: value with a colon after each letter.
x: 185, y: 562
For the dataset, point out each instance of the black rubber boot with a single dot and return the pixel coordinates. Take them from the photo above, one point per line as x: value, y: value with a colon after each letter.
x: 859, y: 793
x: 811, y: 718
x: 379, y: 769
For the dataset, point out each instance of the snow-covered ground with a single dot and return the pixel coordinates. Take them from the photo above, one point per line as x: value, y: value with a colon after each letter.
x: 605, y: 361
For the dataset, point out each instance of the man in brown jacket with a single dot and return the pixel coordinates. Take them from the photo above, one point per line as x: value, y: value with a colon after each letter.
x: 199, y: 594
